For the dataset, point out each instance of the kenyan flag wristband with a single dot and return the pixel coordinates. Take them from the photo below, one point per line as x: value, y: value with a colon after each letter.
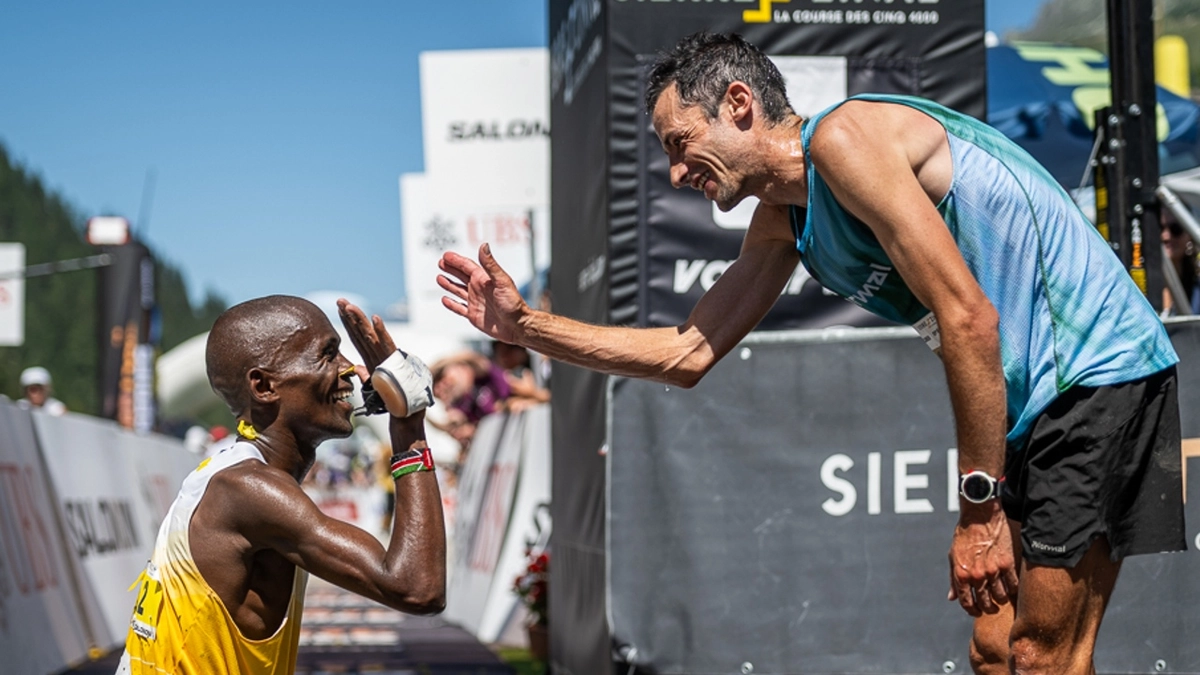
x: 411, y: 461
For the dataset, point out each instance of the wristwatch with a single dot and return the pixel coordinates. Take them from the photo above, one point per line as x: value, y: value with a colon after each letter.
x: 978, y: 487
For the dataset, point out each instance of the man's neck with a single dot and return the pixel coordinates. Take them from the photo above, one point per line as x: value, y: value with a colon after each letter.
x: 782, y: 178
x: 286, y: 454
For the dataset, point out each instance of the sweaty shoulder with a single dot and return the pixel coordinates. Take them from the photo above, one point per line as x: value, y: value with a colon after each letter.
x: 858, y: 126
x: 863, y: 137
x: 248, y: 496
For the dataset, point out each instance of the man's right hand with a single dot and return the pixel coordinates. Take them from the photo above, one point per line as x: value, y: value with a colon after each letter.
x: 369, y: 336
x: 485, y: 294
x: 983, y: 571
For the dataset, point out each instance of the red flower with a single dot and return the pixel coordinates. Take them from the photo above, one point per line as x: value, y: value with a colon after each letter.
x: 532, y: 585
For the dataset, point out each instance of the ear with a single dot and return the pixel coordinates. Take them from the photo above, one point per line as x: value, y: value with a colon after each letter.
x: 261, y: 385
x: 740, y: 99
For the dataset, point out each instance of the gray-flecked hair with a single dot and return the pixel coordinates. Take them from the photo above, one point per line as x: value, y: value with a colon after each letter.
x: 703, y: 65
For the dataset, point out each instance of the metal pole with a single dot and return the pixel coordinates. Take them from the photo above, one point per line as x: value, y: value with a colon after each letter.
x: 1135, y: 222
x: 71, y: 265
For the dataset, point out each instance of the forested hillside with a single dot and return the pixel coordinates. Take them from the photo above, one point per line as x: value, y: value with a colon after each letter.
x: 60, y: 309
x: 1084, y: 23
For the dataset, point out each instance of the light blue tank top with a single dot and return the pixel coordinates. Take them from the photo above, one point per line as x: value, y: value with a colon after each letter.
x: 1069, y: 312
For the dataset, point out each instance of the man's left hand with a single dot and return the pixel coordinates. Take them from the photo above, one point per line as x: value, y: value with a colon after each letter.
x: 983, y: 572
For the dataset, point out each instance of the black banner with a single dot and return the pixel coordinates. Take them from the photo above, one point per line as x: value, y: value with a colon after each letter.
x: 805, y: 527
x: 930, y: 48
x: 627, y: 249
x: 579, y: 287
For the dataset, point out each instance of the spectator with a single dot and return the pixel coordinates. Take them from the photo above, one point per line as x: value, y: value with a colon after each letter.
x: 36, y: 387
x: 471, y: 387
x: 524, y: 391
x: 1179, y: 249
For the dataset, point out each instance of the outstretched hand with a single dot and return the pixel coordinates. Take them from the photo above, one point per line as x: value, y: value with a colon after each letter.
x: 369, y: 336
x: 483, y: 293
x: 983, y: 572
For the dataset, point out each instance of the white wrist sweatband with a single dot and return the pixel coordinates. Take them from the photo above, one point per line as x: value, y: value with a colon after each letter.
x: 404, y: 383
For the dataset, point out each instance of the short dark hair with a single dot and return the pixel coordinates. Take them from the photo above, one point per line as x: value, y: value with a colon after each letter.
x: 703, y: 65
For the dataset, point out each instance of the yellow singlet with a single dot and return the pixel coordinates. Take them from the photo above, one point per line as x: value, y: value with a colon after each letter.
x: 179, y: 625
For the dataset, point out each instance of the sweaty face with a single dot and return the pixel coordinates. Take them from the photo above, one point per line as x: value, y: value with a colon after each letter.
x: 699, y: 149
x: 314, y: 395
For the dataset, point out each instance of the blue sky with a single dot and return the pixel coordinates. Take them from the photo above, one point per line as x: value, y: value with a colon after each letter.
x: 274, y: 132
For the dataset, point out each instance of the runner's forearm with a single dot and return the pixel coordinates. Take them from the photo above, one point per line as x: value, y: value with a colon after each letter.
x: 971, y: 353
x: 671, y: 355
x: 417, y: 548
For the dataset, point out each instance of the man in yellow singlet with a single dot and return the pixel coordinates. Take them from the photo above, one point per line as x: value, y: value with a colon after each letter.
x: 224, y: 589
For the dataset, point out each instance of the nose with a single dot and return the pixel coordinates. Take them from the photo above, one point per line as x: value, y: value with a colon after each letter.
x: 678, y: 174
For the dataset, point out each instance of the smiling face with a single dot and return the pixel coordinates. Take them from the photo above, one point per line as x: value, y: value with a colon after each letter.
x: 313, y: 381
x: 703, y: 152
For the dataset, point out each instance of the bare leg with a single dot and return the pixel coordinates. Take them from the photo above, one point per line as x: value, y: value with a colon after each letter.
x: 990, y: 639
x: 1053, y: 626
x: 1059, y: 614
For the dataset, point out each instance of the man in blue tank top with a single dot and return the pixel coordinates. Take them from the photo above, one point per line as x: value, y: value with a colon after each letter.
x: 1060, y: 374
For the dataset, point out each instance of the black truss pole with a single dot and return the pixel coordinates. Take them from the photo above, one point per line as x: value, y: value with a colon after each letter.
x: 1132, y: 144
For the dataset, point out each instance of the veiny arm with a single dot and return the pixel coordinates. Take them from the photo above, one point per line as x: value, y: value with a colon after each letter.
x: 270, y: 511
x: 681, y: 355
x: 886, y: 163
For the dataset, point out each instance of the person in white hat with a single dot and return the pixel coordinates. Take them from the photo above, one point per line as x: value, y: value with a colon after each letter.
x: 36, y: 387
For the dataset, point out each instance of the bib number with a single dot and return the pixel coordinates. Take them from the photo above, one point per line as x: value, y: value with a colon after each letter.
x: 927, y: 328
x: 148, y: 607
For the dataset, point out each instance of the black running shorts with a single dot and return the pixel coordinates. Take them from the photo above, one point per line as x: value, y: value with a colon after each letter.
x: 1100, y: 461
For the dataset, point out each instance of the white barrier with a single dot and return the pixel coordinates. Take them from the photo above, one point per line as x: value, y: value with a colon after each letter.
x: 505, y: 480
x: 82, y: 501
x: 42, y: 625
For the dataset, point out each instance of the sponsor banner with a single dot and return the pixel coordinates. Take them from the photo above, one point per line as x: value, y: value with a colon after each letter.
x: 819, y: 544
x: 486, y: 126
x: 12, y: 294
x: 931, y: 47
x: 111, y: 489
x: 43, y: 622
x: 485, y: 494
x: 826, y: 51
x: 631, y: 250
x: 516, y: 235
x: 504, y: 487
x: 528, y: 523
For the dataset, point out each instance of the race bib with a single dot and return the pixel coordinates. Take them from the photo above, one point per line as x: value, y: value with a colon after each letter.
x: 149, y: 603
x: 927, y: 328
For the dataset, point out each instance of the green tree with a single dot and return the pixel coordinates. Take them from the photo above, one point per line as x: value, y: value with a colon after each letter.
x: 61, y: 309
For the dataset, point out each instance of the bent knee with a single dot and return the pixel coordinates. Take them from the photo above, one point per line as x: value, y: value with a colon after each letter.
x: 1039, y: 657
x: 989, y: 652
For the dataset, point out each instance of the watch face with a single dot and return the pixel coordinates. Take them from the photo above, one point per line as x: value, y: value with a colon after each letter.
x: 977, y: 487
